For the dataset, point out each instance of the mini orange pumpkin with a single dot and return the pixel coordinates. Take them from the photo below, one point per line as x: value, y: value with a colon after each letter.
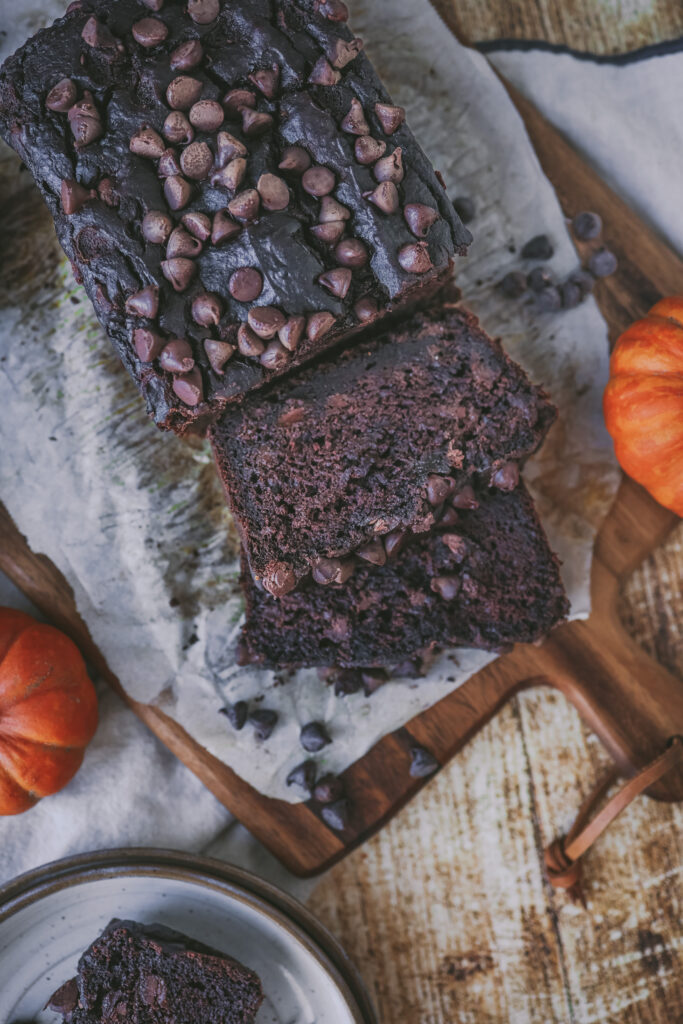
x: 644, y: 402
x: 48, y: 711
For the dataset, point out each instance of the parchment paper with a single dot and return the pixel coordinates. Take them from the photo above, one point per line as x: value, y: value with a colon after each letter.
x: 136, y: 521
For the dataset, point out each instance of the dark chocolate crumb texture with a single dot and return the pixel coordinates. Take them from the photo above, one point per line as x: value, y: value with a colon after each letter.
x: 149, y: 973
x: 330, y: 467
x: 487, y: 580
x: 231, y: 182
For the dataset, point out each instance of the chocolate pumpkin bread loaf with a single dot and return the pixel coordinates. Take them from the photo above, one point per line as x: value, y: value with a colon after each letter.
x: 231, y: 182
x: 139, y: 974
x: 487, y: 579
x: 342, y: 458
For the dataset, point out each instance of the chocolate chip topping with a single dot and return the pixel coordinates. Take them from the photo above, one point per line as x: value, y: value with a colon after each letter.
x: 291, y: 333
x: 422, y: 763
x: 294, y: 159
x: 275, y: 356
x: 256, y: 123
x: 183, y: 92
x: 324, y: 74
x: 391, y: 118
x: 319, y: 324
x: 207, y: 309
x: 168, y: 165
x: 228, y: 148
x: 366, y: 308
x: 336, y: 815
x: 465, y: 498
x: 447, y: 587
x: 149, y: 32
x: 420, y: 218
x: 390, y: 168
x: 351, y: 252
x: 248, y: 343
x: 246, y: 284
x: 331, y: 210
x: 279, y: 580
x: 85, y: 121
x: 245, y: 206
x: 318, y: 181
x: 62, y: 96
x: 267, y: 81
x: 203, y: 12
x: 187, y: 56
x: 385, y: 197
x: 341, y: 51
x: 198, y: 224
x: 231, y: 176
x: 373, y: 552
x: 144, y: 303
x: 373, y: 680
x: 303, y: 776
x: 266, y: 321
x: 182, y: 243
x: 224, y: 228
x: 236, y: 101
x: 177, y: 191
x: 236, y: 714
x: 218, y: 353
x: 394, y: 542
x: 148, y: 143
x: 329, y: 233
x: 96, y: 34
x: 156, y: 227
x: 179, y: 272
x: 415, y: 258
x: 507, y: 477
x: 176, y: 356
x: 74, y: 196
x: 148, y: 344
x: 207, y: 115
x: 313, y: 737
x: 177, y: 128
x: 329, y: 789
x: 332, y: 570
x: 337, y: 281
x: 189, y: 387
x: 369, y: 150
x: 273, y: 191
x: 355, y: 123
x: 196, y: 161
x: 438, y: 489
x: 263, y: 721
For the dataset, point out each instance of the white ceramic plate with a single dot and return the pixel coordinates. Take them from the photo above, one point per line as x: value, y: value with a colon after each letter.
x: 49, y: 916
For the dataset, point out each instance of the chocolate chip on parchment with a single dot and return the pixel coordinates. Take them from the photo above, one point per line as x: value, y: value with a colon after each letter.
x: 168, y: 165
x: 420, y: 218
x: 148, y: 143
x: 514, y: 284
x: 183, y: 92
x: 355, y: 122
x: 203, y: 12
x: 248, y: 343
x: 279, y: 579
x: 549, y: 300
x: 266, y: 321
x: 334, y: 10
x: 62, y: 96
x: 351, y: 252
x: 246, y: 284
x: 324, y: 74
x: 182, y: 243
x: 291, y: 333
x: 179, y: 272
x: 385, y: 197
x: 328, y: 789
x: 189, y: 388
x: 196, y: 161
x: 318, y: 181
x: 366, y: 308
x: 228, y: 148
x: 207, y: 115
x: 415, y: 259
x: 313, y: 737
x: 254, y: 122
x: 390, y: 117
x: 149, y: 32
x: 148, y: 344
x: 373, y: 679
x: 538, y: 248
x: 369, y: 150
x: 303, y: 776
x: 422, y: 763
x: 328, y: 233
x: 390, y: 168
x: 319, y: 325
x: 187, y: 56
x: 177, y: 191
x: 85, y: 121
x: 218, y: 353
x: 337, y: 281
x: 506, y: 477
x: 294, y: 159
x: 236, y: 101
x: 603, y: 262
x: 74, y: 196
x: 144, y: 303
x: 245, y: 206
x: 336, y: 815
x: 198, y: 224
x: 224, y: 228
x: 273, y: 191
x: 177, y: 128
x: 465, y: 208
x: 274, y: 357
x: 231, y: 175
x: 346, y: 682
x: 176, y: 356
x: 263, y: 721
x: 156, y: 227
x: 267, y: 81
x: 587, y: 226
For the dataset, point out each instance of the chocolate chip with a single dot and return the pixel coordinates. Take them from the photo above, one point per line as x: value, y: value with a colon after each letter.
x: 152, y: 990
x: 334, y: 10
x: 549, y: 300
x: 62, y: 96
x: 236, y: 101
x: 224, y: 228
x: 329, y: 789
x: 303, y: 776
x: 584, y: 279
x: 513, y: 284
x: 318, y: 181
x: 148, y: 143
x: 263, y: 721
x: 449, y: 518
x: 168, y: 165
x: 85, y: 121
x: 540, y: 278
x: 177, y: 191
x: 420, y: 218
x: 422, y: 763
x: 144, y: 303
x: 390, y: 168
x: 603, y: 263
x: 279, y: 579
x: 256, y: 123
x: 245, y: 206
x: 183, y: 92
x: 275, y: 357
x: 74, y: 196
x: 384, y: 197
x: 189, y: 388
x: 291, y: 333
x: 373, y: 680
x: 366, y: 308
x: 347, y: 682
x: 538, y: 248
x: 313, y: 737
x: 456, y: 544
x: 207, y: 309
x: 331, y: 210
x: 231, y: 176
x: 218, y: 353
x: 319, y: 325
x: 351, y: 253
x: 96, y: 34
x: 587, y: 226
x: 294, y: 159
x: 332, y: 570
x: 415, y: 258
x: 447, y: 587
x: 355, y: 122
x: 182, y: 243
x: 187, y: 56
x: 148, y: 344
x: 248, y: 343
x: 203, y: 12
x: 228, y: 148
x: 177, y: 128
x: 465, y: 498
x: 207, y: 115
x: 266, y: 321
x: 341, y: 52
x: 156, y: 227
x: 196, y: 160
x: 336, y: 815
x: 65, y: 999
x: 198, y: 224
x: 507, y: 477
x: 337, y: 281
x: 373, y: 552
x: 267, y: 81
x: 149, y: 32
x: 236, y: 714
x: 391, y: 118
x: 177, y: 357
x: 324, y: 74
x: 465, y: 208
x: 572, y: 295
x: 329, y: 233
x: 246, y: 284
x: 394, y: 542
x: 273, y: 191
x: 438, y: 489
x: 179, y: 272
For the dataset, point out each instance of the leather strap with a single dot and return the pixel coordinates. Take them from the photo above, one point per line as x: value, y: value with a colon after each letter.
x: 563, y: 856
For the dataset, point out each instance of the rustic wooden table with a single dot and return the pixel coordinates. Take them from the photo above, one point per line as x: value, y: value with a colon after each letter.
x: 446, y: 911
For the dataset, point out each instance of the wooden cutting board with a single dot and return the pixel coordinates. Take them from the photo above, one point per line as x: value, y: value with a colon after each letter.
x: 631, y: 702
